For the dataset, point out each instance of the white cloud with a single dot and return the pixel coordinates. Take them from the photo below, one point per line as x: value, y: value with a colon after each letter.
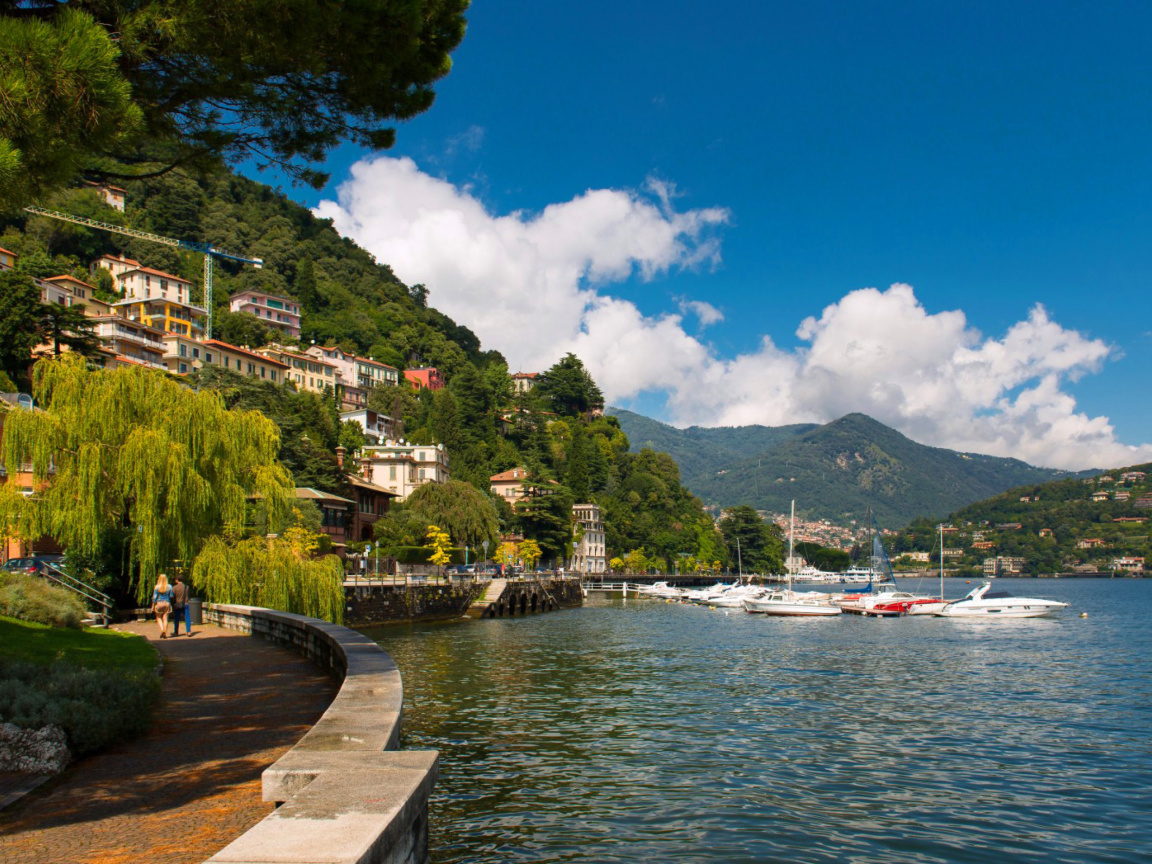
x: 705, y: 313
x: 533, y: 286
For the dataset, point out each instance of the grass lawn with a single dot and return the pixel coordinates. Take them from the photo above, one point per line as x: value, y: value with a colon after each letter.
x: 38, y: 643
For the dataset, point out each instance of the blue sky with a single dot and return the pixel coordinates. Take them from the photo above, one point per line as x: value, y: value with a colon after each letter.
x: 992, y: 156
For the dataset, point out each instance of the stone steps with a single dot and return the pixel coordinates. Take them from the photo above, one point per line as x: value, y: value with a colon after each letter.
x: 491, y: 595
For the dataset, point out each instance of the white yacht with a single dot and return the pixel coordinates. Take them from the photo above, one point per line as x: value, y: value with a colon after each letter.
x: 791, y: 603
x: 982, y: 602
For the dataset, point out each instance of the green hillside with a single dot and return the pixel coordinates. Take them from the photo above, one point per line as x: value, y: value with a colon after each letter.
x: 1082, y: 523
x: 351, y: 300
x: 700, y: 451
x: 835, y: 471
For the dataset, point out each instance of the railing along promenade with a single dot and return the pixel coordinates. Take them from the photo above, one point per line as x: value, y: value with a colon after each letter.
x: 344, y: 793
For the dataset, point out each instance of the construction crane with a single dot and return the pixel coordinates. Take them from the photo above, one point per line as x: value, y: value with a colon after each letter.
x: 207, y: 249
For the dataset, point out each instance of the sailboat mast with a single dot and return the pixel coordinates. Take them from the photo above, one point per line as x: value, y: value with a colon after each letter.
x: 791, y: 534
x: 941, y: 560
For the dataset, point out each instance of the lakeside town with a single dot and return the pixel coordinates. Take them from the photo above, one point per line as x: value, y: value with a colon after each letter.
x: 452, y: 433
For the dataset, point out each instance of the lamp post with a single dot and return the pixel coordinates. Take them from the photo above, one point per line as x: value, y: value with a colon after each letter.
x: 485, y: 545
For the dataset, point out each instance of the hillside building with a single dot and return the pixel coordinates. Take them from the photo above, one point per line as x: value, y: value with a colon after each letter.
x: 377, y: 427
x: 280, y: 313
x: 522, y: 382
x: 426, y: 377
x: 304, y: 370
x: 182, y: 355
x: 588, y: 556
x: 401, y: 467
x: 509, y: 485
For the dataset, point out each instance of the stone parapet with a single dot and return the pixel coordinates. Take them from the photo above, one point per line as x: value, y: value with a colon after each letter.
x: 345, y: 795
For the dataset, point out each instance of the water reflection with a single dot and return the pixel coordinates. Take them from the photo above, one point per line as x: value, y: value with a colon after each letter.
x: 650, y: 731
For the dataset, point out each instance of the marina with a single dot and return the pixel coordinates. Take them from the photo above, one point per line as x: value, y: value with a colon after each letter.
x: 641, y: 730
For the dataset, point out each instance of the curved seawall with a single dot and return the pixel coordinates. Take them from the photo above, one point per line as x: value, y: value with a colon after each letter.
x: 344, y: 794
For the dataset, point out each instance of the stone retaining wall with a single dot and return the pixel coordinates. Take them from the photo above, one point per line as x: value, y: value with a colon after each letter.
x: 344, y: 794
x: 367, y: 604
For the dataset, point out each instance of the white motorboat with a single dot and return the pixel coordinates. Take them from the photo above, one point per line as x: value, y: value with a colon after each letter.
x: 662, y: 591
x: 982, y: 602
x: 790, y: 603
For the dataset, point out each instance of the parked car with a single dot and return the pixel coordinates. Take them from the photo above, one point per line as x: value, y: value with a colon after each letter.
x: 32, y: 564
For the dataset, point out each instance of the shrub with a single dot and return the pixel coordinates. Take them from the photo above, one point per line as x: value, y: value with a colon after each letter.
x: 30, y: 598
x: 94, y: 707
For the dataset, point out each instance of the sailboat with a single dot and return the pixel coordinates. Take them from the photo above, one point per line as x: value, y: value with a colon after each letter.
x: 887, y: 600
x: 787, y: 601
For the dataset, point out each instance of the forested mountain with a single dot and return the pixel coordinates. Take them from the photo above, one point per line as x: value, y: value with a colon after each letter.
x: 1086, y: 522
x: 835, y: 471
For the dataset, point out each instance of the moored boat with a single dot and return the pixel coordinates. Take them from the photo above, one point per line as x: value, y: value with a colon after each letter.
x: 786, y: 601
x: 982, y: 602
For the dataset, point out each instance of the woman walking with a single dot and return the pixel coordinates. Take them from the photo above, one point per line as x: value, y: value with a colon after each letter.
x: 162, y: 603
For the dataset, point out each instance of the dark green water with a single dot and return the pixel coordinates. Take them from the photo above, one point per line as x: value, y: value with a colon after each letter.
x: 647, y: 731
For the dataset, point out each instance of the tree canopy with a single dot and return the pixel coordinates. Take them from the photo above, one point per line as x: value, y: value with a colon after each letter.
x: 761, y: 548
x: 131, y: 448
x: 136, y: 87
x: 568, y: 389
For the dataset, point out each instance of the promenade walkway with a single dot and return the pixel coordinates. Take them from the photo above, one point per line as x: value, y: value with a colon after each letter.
x: 232, y: 705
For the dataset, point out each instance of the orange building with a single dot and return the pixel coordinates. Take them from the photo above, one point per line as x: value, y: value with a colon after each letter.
x: 428, y: 377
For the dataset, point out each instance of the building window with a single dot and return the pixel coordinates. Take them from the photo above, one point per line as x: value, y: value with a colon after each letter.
x: 392, y: 472
x: 251, y: 368
x: 183, y: 351
x: 421, y: 473
x: 196, y: 353
x: 183, y: 366
x: 207, y: 357
x: 272, y: 374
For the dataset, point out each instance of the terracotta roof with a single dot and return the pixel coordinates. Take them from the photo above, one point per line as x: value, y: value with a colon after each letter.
x: 245, y: 352
x: 511, y: 474
x: 120, y: 259
x: 70, y: 279
x: 526, y: 375
x: 278, y: 349
x: 8, y: 251
x: 160, y: 273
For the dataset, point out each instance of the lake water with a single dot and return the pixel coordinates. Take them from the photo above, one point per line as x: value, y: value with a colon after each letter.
x: 646, y: 731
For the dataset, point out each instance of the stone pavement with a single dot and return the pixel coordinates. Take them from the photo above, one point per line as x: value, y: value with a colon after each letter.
x: 232, y: 705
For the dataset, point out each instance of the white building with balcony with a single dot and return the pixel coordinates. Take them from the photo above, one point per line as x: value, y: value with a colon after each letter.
x: 131, y: 341
x: 401, y: 467
x: 377, y: 427
x: 589, y: 556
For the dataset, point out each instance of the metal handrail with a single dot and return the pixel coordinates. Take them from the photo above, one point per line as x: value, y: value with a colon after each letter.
x: 71, y: 583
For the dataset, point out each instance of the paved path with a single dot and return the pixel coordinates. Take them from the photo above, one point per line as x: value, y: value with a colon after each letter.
x: 232, y: 705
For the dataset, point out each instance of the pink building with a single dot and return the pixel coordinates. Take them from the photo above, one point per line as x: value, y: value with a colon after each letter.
x: 282, y: 313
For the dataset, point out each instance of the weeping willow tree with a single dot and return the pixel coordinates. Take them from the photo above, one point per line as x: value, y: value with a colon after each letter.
x: 131, y: 448
x: 276, y: 572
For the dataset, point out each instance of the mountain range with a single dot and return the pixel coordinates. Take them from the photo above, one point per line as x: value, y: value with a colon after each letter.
x: 834, y: 471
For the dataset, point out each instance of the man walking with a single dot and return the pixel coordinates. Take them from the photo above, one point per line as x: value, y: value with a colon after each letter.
x: 180, y: 608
